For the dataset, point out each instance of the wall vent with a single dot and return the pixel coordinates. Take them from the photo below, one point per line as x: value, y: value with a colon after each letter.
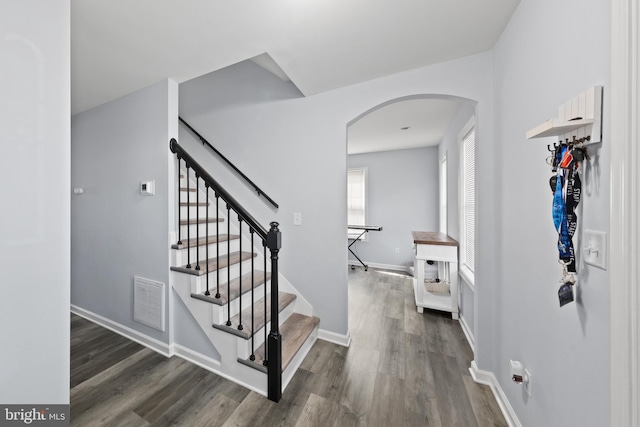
x: 148, y: 302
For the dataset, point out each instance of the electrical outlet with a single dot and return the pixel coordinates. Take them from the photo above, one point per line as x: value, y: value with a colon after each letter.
x: 397, y: 250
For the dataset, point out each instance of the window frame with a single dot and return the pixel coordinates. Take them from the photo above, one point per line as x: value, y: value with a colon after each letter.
x: 356, y: 233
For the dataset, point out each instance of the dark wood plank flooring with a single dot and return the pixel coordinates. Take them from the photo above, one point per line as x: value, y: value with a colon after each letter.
x: 402, y: 369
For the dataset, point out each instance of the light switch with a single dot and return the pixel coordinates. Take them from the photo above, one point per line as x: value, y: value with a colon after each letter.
x: 594, y: 248
x: 297, y: 218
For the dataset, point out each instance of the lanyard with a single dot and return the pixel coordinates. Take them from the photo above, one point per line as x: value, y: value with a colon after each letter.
x: 567, y: 190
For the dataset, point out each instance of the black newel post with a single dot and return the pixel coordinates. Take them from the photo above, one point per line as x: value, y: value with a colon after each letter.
x: 274, y: 345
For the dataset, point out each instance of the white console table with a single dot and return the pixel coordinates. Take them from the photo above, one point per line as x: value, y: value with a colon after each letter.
x: 443, y: 249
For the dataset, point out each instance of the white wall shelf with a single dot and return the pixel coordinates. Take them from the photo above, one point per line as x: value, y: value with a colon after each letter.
x: 587, y: 107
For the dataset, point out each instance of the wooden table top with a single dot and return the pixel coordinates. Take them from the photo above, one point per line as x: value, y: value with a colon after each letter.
x: 432, y: 238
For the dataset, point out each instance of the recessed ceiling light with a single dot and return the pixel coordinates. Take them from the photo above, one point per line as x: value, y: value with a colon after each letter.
x: 405, y: 128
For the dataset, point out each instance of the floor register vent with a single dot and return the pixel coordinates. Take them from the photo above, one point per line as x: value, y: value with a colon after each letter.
x: 148, y: 302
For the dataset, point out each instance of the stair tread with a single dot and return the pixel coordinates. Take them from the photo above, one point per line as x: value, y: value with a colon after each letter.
x: 294, y: 332
x: 212, y: 265
x: 202, y: 241
x: 284, y: 299
x: 190, y: 189
x: 193, y: 221
x: 193, y: 204
x: 233, y: 288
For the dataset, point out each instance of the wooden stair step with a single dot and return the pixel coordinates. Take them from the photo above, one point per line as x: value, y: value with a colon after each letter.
x: 284, y: 299
x: 202, y: 241
x: 192, y: 221
x: 233, y: 288
x: 190, y: 189
x: 212, y: 264
x: 182, y: 204
x: 294, y: 332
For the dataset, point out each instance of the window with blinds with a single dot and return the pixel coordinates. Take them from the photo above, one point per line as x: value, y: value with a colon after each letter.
x: 468, y: 200
x: 356, y: 203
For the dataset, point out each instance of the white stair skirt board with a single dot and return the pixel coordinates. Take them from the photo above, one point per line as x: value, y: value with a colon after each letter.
x: 210, y: 365
x: 224, y: 343
x: 489, y: 378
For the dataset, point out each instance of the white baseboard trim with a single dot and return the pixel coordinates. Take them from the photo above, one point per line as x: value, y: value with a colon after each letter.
x: 332, y: 337
x: 467, y: 333
x: 199, y: 359
x: 133, y: 335
x: 489, y: 378
x: 402, y: 268
x: 211, y: 365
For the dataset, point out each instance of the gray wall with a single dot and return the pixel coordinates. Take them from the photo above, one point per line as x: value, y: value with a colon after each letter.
x: 34, y: 231
x: 116, y: 232
x: 450, y: 146
x: 295, y: 148
x: 541, y: 61
x: 402, y: 196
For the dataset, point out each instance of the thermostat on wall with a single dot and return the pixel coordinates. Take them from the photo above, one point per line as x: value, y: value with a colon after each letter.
x: 147, y: 188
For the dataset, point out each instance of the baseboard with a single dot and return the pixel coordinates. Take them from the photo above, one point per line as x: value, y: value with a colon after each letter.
x: 489, y: 378
x: 467, y: 332
x: 332, y: 337
x: 133, y: 335
x: 401, y: 268
x: 199, y: 359
x: 211, y: 365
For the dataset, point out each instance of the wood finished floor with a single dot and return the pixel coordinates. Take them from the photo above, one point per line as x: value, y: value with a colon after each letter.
x: 402, y: 369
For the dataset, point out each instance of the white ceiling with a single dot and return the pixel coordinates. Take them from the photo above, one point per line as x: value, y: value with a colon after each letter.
x: 118, y: 46
x: 427, y: 121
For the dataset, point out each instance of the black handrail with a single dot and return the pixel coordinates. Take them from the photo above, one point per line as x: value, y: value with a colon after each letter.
x: 228, y: 162
x: 233, y: 203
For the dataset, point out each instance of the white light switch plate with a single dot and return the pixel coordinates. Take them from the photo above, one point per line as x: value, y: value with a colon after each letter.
x: 297, y: 218
x: 594, y: 248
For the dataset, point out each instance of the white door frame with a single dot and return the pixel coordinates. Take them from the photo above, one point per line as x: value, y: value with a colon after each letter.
x: 625, y: 212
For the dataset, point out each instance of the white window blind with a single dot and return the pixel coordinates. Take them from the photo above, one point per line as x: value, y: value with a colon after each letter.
x: 356, y: 182
x: 443, y: 194
x: 468, y: 202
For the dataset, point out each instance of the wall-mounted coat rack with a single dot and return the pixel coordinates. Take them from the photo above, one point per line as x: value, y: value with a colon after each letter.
x: 579, y: 118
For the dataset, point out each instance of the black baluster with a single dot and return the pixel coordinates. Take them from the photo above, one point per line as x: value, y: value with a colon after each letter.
x: 228, y: 264
x: 218, y: 250
x: 253, y: 286
x: 240, y: 327
x: 188, y: 221
x: 206, y: 229
x: 179, y: 207
x: 197, y: 222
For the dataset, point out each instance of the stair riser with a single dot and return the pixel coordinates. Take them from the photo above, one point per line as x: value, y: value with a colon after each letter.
x: 198, y: 211
x: 220, y: 311
x: 198, y: 283
x: 244, y: 346
x: 202, y: 229
x: 180, y: 255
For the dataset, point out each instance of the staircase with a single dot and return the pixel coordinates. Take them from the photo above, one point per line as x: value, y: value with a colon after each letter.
x: 223, y: 273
